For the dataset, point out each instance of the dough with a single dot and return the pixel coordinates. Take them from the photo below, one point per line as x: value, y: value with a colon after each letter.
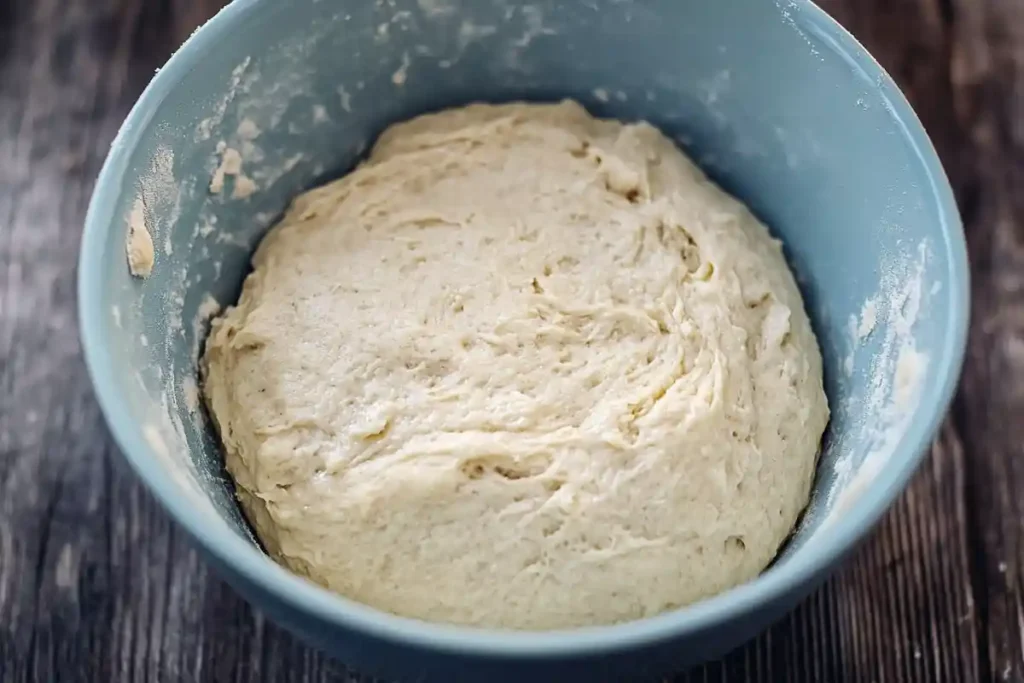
x: 231, y: 166
x: 139, y: 243
x: 521, y: 368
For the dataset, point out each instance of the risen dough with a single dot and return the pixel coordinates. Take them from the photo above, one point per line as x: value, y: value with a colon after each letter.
x: 522, y: 368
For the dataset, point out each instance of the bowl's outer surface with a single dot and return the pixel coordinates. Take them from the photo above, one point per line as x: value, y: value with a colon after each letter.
x: 775, y: 101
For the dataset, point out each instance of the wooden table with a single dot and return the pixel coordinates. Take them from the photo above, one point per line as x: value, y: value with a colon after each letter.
x: 96, y: 584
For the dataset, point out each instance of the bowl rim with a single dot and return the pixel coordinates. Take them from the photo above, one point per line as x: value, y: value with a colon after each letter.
x: 255, y: 568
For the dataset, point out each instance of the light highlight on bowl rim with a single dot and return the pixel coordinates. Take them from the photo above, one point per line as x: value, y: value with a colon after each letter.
x: 256, y: 568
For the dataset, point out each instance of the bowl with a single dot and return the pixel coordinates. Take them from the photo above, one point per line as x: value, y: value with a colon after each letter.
x: 773, y: 99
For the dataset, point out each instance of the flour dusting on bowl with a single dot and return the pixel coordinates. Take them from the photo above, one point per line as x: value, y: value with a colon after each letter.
x: 894, y: 372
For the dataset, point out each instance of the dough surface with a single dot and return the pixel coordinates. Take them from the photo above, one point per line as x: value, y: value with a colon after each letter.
x: 522, y: 368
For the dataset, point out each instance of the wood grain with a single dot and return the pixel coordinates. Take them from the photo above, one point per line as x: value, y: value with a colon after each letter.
x: 97, y: 585
x: 987, y: 71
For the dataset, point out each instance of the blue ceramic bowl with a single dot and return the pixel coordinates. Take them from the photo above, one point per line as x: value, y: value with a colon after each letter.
x: 773, y: 99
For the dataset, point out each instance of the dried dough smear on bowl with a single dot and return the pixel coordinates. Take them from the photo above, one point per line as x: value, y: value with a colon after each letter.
x: 522, y: 368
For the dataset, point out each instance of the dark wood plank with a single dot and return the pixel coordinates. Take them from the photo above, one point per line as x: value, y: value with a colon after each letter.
x: 97, y: 585
x: 988, y: 79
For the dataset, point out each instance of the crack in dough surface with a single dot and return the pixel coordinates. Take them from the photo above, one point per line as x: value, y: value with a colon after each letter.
x: 522, y: 368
